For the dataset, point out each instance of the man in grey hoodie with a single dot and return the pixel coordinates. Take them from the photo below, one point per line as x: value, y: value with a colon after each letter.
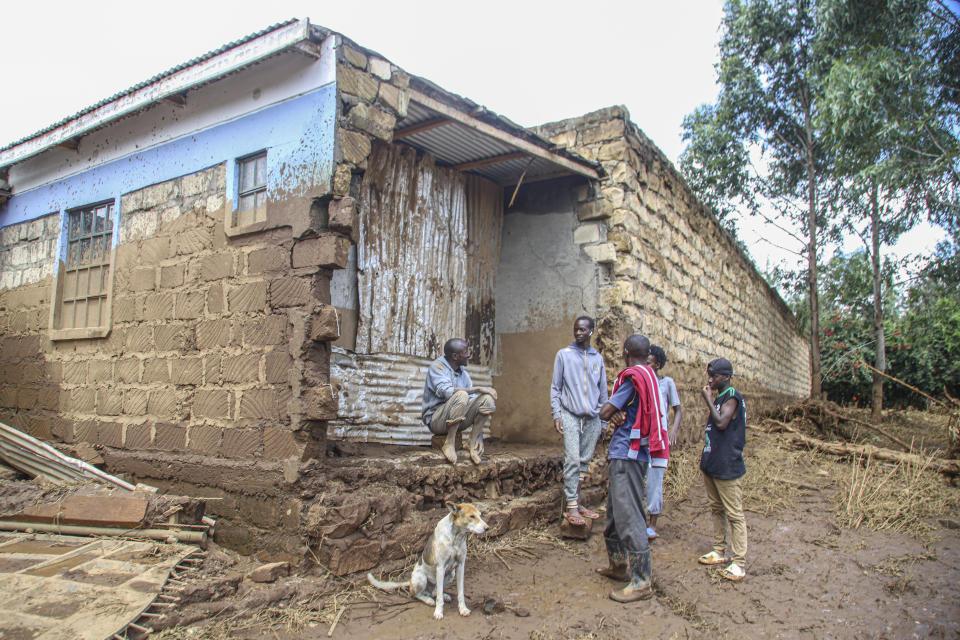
x: 578, y: 390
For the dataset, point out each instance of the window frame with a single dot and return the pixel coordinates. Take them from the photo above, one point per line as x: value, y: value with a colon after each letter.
x: 231, y: 224
x: 57, y: 332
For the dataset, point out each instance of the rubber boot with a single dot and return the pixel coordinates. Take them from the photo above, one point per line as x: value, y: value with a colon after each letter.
x: 476, y: 437
x: 640, y: 586
x: 618, y: 562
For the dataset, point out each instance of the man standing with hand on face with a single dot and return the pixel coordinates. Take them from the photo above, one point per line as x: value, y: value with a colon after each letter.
x: 578, y: 390
x: 722, y: 466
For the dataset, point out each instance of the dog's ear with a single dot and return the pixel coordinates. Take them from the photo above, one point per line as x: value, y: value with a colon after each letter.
x: 453, y: 507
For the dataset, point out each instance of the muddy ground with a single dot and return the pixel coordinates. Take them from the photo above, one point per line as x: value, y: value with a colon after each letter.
x: 809, y: 573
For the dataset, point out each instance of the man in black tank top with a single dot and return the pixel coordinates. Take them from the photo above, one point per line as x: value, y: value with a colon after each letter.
x: 722, y: 466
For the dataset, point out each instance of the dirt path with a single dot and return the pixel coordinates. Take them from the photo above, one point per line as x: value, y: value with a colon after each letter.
x: 805, y: 579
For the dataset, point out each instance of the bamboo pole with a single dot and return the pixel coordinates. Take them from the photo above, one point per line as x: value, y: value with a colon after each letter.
x: 193, y: 537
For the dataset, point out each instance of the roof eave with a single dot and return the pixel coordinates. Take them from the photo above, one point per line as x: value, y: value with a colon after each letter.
x: 170, y: 85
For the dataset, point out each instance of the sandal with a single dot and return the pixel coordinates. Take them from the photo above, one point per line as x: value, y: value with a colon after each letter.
x: 711, y: 557
x: 574, y: 519
x: 734, y: 572
x: 586, y: 513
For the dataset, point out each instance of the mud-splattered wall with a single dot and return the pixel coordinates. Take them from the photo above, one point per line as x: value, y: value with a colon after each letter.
x: 544, y: 282
x: 427, y: 257
x: 212, y: 342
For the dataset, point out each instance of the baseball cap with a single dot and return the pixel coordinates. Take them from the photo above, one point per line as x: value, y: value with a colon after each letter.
x: 720, y: 366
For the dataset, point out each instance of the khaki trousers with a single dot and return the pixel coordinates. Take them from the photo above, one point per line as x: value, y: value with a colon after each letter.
x: 460, y: 412
x: 726, y: 505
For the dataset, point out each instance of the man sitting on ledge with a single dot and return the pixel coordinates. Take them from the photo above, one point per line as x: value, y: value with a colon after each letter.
x: 451, y: 403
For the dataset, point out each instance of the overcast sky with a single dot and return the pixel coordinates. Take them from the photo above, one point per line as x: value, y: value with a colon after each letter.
x: 531, y: 61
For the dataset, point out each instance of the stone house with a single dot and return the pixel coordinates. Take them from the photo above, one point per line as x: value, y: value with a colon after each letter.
x: 265, y: 246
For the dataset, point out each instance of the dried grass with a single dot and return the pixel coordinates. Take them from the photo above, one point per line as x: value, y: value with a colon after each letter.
x: 522, y: 543
x: 682, y: 473
x: 893, y: 497
x: 770, y: 485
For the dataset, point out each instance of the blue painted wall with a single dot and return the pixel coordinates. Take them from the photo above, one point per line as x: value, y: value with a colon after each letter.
x: 298, y: 134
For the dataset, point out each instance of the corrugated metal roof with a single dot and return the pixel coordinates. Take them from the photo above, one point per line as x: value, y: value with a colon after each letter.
x: 455, y: 143
x: 149, y: 81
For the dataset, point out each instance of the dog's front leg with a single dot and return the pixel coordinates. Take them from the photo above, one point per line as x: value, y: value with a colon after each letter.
x: 438, y: 608
x: 461, y: 599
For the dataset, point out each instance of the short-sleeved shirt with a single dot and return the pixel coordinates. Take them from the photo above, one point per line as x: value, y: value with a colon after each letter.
x: 722, y: 456
x: 626, y: 399
x: 441, y: 382
x: 668, y: 398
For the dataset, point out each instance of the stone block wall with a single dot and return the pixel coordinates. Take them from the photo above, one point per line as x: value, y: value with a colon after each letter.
x: 672, y: 272
x: 372, y: 96
x: 28, y: 251
x: 217, y: 347
x: 29, y: 384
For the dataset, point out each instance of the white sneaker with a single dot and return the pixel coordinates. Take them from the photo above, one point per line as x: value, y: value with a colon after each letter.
x: 651, y: 534
x: 733, y: 572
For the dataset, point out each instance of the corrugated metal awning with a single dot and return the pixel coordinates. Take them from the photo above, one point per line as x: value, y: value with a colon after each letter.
x: 460, y: 140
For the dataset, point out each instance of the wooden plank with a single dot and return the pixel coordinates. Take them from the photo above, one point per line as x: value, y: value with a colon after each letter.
x: 420, y: 127
x: 501, y: 135
x: 102, y: 510
x: 486, y: 162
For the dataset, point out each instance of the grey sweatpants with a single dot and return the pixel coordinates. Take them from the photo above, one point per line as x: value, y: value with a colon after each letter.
x: 626, y: 522
x: 580, y: 435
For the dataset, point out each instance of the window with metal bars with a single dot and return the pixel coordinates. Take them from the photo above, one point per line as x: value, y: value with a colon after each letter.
x: 84, y: 282
x: 251, y: 191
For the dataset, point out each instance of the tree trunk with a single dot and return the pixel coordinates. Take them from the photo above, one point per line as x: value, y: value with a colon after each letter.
x: 815, y: 382
x: 949, y: 468
x: 881, y: 347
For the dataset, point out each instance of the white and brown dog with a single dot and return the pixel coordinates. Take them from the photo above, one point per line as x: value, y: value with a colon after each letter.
x: 446, y: 548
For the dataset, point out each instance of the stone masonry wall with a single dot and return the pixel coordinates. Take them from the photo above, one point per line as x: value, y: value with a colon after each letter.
x: 217, y: 347
x: 28, y: 251
x: 673, y: 273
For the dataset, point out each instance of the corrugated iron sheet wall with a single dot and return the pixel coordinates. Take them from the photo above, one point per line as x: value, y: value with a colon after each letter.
x: 381, y: 395
x: 484, y: 229
x: 427, y: 256
x: 426, y: 266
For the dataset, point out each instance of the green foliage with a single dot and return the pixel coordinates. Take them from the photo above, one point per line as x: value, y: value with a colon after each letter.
x: 926, y: 352
x: 715, y: 163
x: 922, y: 334
x: 842, y: 116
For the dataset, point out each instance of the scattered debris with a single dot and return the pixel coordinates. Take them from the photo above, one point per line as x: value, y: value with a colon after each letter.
x: 37, y: 458
x: 269, y: 572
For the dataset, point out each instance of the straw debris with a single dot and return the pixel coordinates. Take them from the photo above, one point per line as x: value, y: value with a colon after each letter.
x: 897, y: 497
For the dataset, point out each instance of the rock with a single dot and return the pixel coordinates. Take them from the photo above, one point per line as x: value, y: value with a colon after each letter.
x: 493, y: 605
x: 567, y: 530
x: 269, y: 572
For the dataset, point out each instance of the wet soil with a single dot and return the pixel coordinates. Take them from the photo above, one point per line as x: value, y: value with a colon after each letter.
x: 805, y: 579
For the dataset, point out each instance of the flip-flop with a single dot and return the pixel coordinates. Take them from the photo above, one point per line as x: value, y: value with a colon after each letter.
x: 575, y: 519
x: 586, y: 513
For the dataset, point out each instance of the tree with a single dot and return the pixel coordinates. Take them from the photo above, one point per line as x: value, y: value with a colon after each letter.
x: 846, y: 323
x: 773, y: 63
x: 889, y: 128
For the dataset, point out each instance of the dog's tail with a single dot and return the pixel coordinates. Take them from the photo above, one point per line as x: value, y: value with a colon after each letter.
x: 386, y: 586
